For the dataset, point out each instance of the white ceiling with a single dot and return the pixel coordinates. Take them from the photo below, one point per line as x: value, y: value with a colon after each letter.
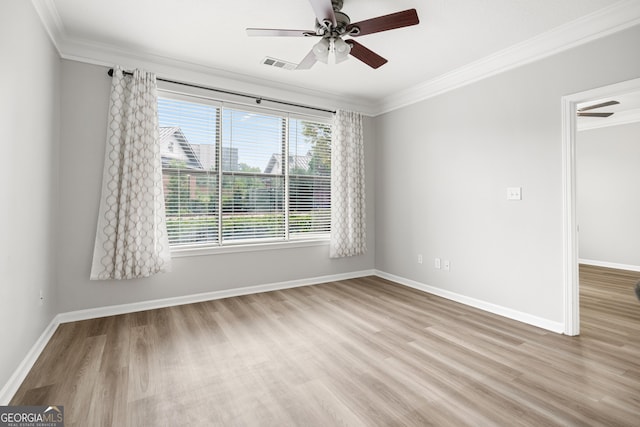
x: 453, y: 35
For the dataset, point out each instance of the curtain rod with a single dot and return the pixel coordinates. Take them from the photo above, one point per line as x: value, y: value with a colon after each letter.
x: 258, y: 99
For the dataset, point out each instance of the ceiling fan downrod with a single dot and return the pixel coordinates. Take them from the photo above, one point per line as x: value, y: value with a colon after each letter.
x: 326, y: 28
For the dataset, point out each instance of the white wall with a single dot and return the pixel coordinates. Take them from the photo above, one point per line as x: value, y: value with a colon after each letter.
x: 443, y: 167
x: 85, y: 95
x: 29, y: 105
x: 608, y: 194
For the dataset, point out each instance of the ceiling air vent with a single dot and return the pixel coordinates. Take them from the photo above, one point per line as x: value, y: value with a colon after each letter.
x: 278, y: 63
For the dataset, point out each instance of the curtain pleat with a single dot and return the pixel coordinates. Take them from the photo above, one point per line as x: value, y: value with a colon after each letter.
x: 348, y: 220
x: 131, y: 236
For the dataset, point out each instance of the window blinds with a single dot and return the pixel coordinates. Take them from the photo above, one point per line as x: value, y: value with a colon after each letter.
x: 238, y: 175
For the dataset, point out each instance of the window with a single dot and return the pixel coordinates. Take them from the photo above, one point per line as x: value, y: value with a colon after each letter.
x: 235, y: 174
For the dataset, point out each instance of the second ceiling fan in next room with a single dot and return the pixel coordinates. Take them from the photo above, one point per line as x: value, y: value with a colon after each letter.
x: 582, y: 112
x: 332, y: 25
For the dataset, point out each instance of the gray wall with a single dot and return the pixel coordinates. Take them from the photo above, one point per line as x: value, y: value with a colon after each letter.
x: 608, y: 194
x: 85, y: 95
x: 29, y: 104
x: 437, y: 174
x: 443, y: 167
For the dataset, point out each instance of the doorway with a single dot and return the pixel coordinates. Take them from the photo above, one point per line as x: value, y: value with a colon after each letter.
x: 570, y: 226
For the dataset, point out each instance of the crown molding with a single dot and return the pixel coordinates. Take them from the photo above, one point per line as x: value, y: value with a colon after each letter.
x: 51, y: 21
x: 619, y: 118
x: 617, y: 17
x: 180, y: 70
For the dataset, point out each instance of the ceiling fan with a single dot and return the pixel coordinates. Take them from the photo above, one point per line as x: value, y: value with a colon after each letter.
x: 332, y: 25
x: 581, y: 111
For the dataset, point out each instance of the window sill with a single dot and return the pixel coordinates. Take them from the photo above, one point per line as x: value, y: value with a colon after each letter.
x: 201, y: 250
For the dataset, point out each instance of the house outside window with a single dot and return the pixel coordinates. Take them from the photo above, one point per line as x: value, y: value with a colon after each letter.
x: 234, y: 174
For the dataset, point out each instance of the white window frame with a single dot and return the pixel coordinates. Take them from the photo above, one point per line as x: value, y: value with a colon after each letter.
x: 219, y: 247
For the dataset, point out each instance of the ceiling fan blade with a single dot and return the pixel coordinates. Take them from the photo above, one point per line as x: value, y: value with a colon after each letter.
x: 603, y: 104
x: 365, y: 55
x: 581, y: 114
x: 307, y: 62
x: 323, y: 10
x: 275, y: 32
x: 383, y: 23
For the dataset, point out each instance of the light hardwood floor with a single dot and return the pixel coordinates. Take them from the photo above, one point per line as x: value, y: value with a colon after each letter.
x: 351, y: 353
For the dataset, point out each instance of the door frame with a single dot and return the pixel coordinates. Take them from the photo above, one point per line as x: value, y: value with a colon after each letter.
x: 570, y: 224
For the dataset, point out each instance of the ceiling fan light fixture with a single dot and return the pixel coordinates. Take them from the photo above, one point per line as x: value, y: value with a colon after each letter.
x: 321, y: 50
x: 341, y: 50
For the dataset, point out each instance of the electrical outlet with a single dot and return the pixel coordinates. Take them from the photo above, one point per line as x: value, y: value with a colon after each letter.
x: 446, y: 265
x: 514, y: 193
x: 436, y: 263
x: 419, y: 258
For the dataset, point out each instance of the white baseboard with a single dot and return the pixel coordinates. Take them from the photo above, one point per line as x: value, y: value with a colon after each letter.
x: 607, y: 264
x: 10, y: 388
x: 93, y: 313
x: 557, y: 327
x: 23, y: 369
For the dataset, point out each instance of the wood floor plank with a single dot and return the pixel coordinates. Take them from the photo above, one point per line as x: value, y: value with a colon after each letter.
x: 359, y: 352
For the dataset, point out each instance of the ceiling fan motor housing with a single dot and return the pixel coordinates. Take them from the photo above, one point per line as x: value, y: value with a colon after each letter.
x: 342, y: 20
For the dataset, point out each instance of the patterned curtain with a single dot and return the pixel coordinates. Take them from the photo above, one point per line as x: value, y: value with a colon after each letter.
x: 131, y: 238
x: 347, y: 186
